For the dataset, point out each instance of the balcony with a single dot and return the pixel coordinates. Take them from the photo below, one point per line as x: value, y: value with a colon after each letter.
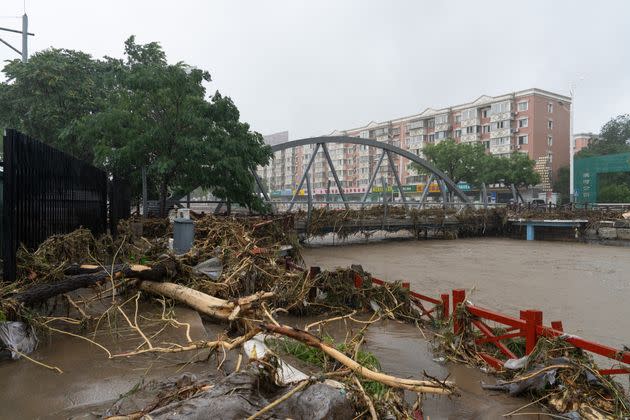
x: 442, y: 127
x: 502, y: 132
x: 470, y: 122
x: 499, y: 150
x: 417, y: 132
x: 501, y: 117
x: 468, y: 138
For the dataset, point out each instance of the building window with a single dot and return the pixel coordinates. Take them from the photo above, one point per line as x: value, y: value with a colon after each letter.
x: 523, y: 122
x: 499, y: 125
x: 472, y: 129
x: 441, y: 119
x: 550, y: 107
x: 486, y: 128
x: 458, y: 133
x: 522, y: 139
x: 522, y: 106
x: 550, y: 124
x: 486, y: 144
x: 458, y: 118
x: 431, y: 138
x: 469, y: 114
x: 500, y: 107
x: 415, y: 124
x: 484, y: 113
x: 549, y: 141
x: 431, y: 123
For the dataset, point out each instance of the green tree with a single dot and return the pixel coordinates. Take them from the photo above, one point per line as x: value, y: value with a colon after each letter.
x: 561, y: 186
x: 519, y: 170
x: 614, y: 193
x: 159, y: 118
x: 460, y: 161
x: 614, y: 138
x: 138, y: 112
x: 44, y: 96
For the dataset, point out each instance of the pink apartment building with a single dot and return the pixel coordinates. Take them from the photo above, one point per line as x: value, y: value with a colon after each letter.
x: 531, y: 121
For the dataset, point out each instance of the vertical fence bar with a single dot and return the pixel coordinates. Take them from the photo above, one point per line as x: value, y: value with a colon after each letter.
x: 533, y: 319
x: 459, y: 297
x: 445, y: 305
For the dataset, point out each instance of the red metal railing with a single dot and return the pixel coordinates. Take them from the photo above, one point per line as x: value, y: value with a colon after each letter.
x: 529, y: 325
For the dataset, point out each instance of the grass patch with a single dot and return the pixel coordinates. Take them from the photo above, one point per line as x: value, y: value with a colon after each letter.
x: 316, y: 357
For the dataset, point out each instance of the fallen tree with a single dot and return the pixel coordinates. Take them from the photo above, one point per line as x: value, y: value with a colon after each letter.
x: 44, y: 291
x: 426, y: 387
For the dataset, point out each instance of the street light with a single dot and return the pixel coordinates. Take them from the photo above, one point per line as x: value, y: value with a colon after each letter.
x: 572, y: 87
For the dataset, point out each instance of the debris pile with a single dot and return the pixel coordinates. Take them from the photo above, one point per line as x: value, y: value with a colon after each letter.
x: 241, y: 272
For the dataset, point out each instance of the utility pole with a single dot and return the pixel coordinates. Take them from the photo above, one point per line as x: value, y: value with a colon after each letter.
x: 24, y: 38
x: 25, y: 34
x: 572, y: 87
x: 571, y: 146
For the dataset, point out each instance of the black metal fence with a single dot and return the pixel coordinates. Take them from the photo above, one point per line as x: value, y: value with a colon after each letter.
x: 46, y: 192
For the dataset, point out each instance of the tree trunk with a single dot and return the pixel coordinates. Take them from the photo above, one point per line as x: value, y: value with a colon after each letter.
x: 163, y: 193
x: 203, y: 303
x: 44, y: 291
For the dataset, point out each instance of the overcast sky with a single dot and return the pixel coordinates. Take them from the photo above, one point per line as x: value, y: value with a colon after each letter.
x: 311, y: 67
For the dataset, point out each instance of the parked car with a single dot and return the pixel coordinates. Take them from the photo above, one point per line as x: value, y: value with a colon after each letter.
x: 538, y: 202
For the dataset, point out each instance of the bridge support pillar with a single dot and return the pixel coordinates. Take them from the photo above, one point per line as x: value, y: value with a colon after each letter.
x: 530, y: 232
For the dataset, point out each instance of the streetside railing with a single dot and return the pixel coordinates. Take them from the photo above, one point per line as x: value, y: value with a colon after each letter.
x: 529, y: 325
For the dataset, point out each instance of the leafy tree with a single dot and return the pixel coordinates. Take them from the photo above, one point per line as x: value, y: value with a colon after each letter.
x: 138, y: 112
x: 614, y: 138
x: 614, y: 193
x: 519, y: 170
x: 561, y: 186
x: 460, y: 161
x: 44, y: 96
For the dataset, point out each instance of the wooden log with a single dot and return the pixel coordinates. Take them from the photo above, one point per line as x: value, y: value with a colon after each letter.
x: 428, y: 387
x: 44, y: 291
x: 203, y: 303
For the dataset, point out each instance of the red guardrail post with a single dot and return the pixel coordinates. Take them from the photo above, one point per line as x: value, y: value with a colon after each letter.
x: 445, y: 308
x: 533, y: 319
x: 459, y: 297
x: 358, y: 280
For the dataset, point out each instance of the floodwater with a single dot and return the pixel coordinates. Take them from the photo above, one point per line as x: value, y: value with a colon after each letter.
x: 586, y: 286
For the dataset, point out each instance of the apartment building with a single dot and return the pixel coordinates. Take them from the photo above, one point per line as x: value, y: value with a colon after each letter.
x: 582, y: 140
x: 531, y: 121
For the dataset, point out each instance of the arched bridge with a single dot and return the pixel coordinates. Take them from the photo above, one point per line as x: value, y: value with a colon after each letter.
x: 387, y: 150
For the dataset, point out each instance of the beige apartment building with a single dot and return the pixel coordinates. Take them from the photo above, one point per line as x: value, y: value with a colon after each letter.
x: 531, y: 121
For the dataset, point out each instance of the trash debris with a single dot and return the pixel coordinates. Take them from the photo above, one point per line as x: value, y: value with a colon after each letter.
x: 16, y: 338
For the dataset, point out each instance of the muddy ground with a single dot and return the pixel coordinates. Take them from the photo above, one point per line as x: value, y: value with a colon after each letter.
x: 91, y: 383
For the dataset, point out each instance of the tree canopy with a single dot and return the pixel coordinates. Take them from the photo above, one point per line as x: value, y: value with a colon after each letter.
x: 138, y: 112
x: 614, y: 138
x: 470, y: 163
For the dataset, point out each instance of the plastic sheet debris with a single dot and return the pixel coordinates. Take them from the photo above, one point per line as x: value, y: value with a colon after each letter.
x: 16, y: 338
x: 257, y: 349
x: 211, y: 268
x: 516, y: 364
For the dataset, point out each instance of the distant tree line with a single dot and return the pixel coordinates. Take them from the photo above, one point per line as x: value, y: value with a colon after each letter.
x: 140, y: 111
x: 469, y: 162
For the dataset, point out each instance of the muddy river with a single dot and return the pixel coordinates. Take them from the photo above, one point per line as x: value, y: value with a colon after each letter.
x: 586, y: 286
